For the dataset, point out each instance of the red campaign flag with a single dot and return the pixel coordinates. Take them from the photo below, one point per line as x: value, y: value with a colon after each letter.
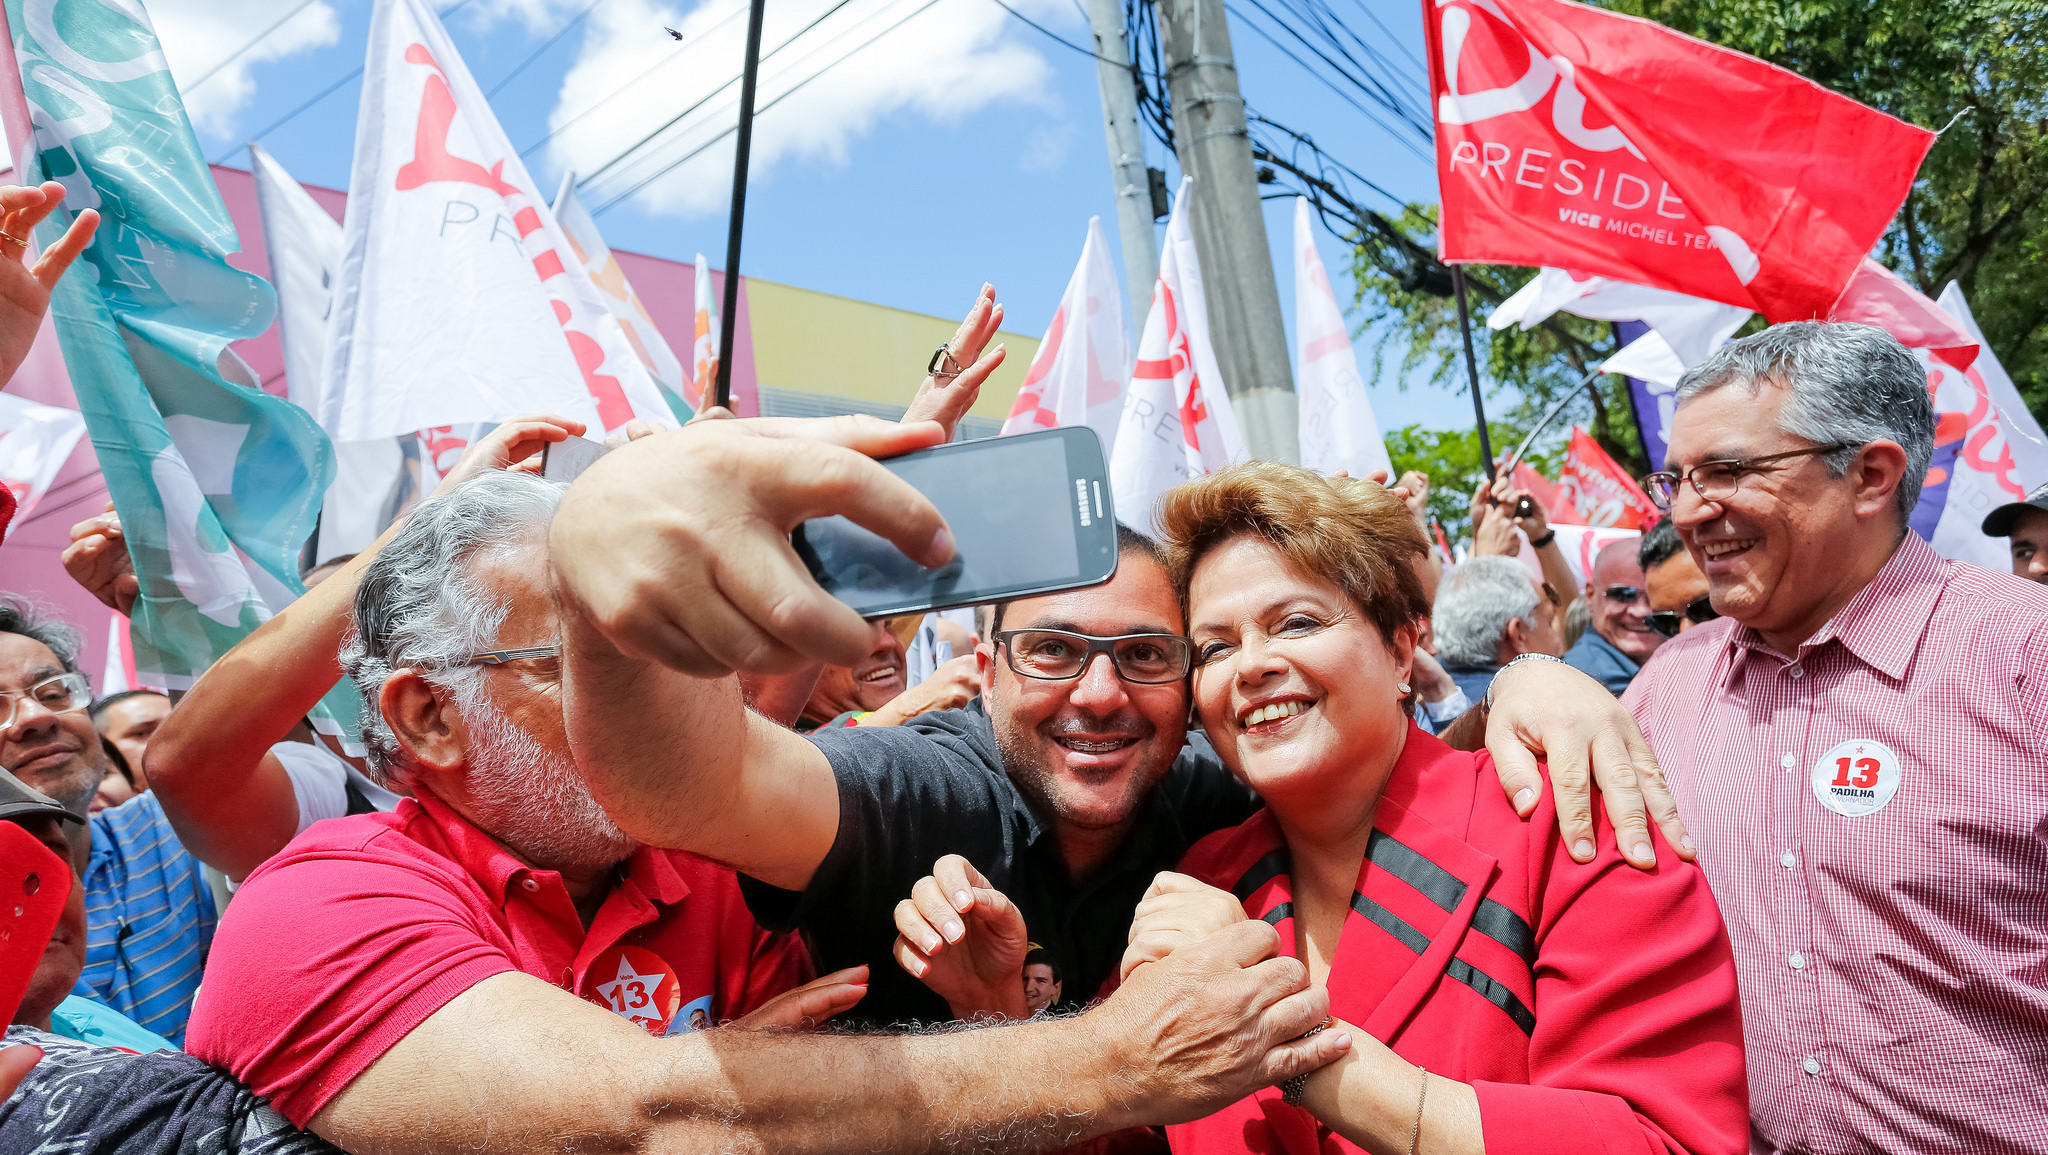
x: 1877, y: 296
x: 1557, y: 504
x: 1583, y: 139
x: 1603, y: 493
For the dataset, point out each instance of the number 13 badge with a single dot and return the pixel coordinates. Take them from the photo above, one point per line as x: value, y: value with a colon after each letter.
x: 1858, y: 777
x: 637, y: 984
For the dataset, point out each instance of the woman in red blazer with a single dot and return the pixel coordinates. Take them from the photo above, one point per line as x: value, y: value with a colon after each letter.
x: 1500, y: 996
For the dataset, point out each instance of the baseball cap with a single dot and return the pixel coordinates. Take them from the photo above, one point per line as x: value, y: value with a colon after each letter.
x: 1999, y: 522
x: 19, y: 800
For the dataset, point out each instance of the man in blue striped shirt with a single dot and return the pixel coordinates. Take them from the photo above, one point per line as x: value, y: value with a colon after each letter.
x: 149, y: 913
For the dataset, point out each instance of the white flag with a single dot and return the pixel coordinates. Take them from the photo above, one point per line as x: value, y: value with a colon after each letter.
x: 1078, y: 374
x: 2001, y: 454
x: 35, y: 442
x: 459, y: 298
x: 603, y: 269
x: 1338, y: 430
x: 305, y: 260
x: 1693, y: 327
x: 702, y: 390
x: 370, y: 482
x: 1177, y: 423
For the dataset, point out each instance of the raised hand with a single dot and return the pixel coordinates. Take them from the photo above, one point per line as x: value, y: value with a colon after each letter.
x: 965, y: 940
x: 1176, y: 911
x: 515, y: 445
x: 947, y: 399
x: 808, y: 1005
x: 24, y: 291
x: 97, y: 559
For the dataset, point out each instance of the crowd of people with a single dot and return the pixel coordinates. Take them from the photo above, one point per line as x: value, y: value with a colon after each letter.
x: 1289, y: 837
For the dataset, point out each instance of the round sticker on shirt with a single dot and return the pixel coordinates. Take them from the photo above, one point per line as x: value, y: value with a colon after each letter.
x: 639, y: 985
x: 1857, y: 777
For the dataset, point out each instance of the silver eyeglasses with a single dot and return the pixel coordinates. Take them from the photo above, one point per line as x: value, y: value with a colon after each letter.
x: 500, y: 657
x: 63, y: 694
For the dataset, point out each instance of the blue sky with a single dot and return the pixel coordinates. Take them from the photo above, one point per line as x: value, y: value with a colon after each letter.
x: 967, y: 147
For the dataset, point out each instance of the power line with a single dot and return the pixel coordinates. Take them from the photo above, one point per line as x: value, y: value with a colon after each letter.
x: 791, y: 90
x: 323, y: 94
x: 671, y: 58
x: 237, y: 53
x: 672, y: 121
x: 550, y: 42
x: 1061, y: 40
x: 815, y: 53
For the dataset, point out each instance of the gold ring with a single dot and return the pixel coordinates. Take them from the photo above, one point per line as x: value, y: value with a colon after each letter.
x: 5, y: 235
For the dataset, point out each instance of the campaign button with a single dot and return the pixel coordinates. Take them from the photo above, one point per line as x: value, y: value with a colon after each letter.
x: 637, y: 984
x: 1858, y: 777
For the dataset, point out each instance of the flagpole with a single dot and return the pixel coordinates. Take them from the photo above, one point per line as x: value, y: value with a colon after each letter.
x: 1471, y: 369
x: 743, y: 145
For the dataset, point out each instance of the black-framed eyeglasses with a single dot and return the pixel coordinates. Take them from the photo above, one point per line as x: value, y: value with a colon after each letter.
x: 1624, y: 593
x: 1061, y: 655
x: 63, y: 694
x: 1668, y: 622
x: 1717, y: 480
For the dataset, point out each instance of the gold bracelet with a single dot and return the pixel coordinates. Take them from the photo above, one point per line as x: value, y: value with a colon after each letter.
x: 1292, y: 1089
x: 1420, y: 1099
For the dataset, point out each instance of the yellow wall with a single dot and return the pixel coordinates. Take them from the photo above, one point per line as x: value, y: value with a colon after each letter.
x: 819, y: 343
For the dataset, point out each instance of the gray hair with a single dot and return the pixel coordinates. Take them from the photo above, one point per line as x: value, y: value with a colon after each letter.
x: 1844, y: 382
x: 1478, y: 600
x: 18, y: 615
x: 421, y: 606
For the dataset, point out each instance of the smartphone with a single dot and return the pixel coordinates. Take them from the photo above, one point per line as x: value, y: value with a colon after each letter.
x: 1030, y: 515
x: 565, y: 460
x: 33, y: 886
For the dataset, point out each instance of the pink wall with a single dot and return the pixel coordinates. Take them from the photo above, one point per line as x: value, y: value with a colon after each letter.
x: 29, y: 560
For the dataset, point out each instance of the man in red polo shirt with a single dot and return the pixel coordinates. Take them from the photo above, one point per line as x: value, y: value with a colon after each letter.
x: 396, y: 982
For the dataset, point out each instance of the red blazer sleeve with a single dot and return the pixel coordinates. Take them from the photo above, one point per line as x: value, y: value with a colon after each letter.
x: 1633, y: 971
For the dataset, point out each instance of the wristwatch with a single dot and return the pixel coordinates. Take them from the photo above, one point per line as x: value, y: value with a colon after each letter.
x: 1291, y: 1089
x: 1539, y: 542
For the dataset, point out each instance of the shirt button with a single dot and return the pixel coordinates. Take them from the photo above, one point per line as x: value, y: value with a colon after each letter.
x: 529, y: 885
x: 1811, y: 1066
x: 1796, y: 671
x: 1788, y: 860
x: 1798, y: 962
x: 1787, y: 761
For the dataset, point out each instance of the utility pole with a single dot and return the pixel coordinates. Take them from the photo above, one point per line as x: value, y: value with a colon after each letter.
x: 1126, y: 157
x: 1230, y: 228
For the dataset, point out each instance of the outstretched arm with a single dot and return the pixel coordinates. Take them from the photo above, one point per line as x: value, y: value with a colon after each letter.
x: 230, y: 799
x: 674, y: 570
x: 514, y: 1064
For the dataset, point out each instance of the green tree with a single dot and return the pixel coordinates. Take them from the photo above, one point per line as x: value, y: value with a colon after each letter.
x: 1452, y: 460
x: 1976, y: 214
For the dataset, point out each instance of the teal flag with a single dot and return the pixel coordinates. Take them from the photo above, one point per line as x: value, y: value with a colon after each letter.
x: 217, y: 483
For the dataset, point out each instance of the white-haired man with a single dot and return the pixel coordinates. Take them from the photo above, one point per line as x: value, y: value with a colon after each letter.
x: 1490, y: 611
x: 1857, y: 745
x: 410, y: 982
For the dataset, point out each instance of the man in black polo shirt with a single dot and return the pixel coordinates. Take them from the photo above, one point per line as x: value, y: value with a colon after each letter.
x: 1068, y: 793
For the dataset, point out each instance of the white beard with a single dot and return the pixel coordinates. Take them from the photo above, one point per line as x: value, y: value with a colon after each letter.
x: 533, y: 799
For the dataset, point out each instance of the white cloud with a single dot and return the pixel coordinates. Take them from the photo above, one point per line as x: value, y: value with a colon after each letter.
x: 198, y: 35
x: 944, y: 63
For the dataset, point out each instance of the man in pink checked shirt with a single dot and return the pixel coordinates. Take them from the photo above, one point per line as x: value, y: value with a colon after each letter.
x: 1859, y: 746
